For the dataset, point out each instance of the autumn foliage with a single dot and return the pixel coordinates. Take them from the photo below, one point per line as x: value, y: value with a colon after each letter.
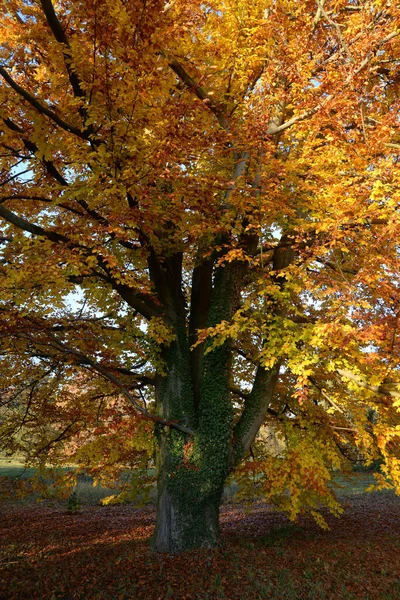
x: 199, y: 238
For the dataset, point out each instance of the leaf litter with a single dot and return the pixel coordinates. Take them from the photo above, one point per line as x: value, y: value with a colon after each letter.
x: 103, y: 553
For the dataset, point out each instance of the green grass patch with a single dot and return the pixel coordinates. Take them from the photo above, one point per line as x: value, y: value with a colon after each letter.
x: 89, y: 493
x: 14, y: 468
x: 354, y: 484
x: 86, y: 491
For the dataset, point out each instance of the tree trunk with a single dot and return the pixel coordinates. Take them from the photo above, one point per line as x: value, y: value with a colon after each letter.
x: 188, y: 500
x: 191, y: 470
x: 181, y: 526
x: 189, y: 492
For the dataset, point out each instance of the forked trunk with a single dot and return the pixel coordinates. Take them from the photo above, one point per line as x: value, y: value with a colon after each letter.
x: 192, y: 469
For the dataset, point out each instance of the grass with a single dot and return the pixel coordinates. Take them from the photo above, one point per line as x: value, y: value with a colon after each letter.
x: 86, y: 491
x: 353, y: 485
x: 14, y: 468
x: 89, y: 493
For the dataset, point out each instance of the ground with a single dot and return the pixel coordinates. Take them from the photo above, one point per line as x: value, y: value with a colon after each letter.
x: 103, y: 553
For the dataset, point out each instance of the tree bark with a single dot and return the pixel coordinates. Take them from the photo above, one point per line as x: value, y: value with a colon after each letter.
x: 191, y: 470
x: 180, y: 528
x: 188, y: 504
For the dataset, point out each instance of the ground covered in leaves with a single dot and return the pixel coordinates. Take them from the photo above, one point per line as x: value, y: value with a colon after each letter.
x: 103, y: 553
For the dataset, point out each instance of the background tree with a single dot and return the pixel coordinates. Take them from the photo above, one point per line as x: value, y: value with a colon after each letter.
x: 199, y: 215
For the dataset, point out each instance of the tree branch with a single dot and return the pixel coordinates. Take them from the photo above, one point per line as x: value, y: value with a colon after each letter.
x: 60, y: 36
x: 95, y: 365
x: 323, y: 13
x: 255, y: 408
x: 40, y: 107
x: 30, y: 227
x: 32, y: 147
x: 215, y: 107
x: 383, y: 390
x: 337, y: 269
x: 325, y: 395
x: 41, y: 199
x: 53, y: 171
x: 237, y: 391
x: 60, y: 437
x: 272, y: 130
x: 138, y: 301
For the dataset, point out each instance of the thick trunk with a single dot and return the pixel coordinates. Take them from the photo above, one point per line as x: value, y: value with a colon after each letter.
x: 191, y: 470
x: 189, y: 484
x: 188, y: 501
x: 181, y: 526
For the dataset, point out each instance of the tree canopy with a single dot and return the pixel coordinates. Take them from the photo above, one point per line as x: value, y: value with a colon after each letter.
x: 199, y: 220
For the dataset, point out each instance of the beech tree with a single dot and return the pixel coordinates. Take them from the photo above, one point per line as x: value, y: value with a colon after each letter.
x: 199, y: 238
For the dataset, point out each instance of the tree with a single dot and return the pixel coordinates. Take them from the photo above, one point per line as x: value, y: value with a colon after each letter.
x: 199, y: 216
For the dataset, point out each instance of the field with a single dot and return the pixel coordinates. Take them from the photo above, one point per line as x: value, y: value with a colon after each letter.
x: 102, y: 552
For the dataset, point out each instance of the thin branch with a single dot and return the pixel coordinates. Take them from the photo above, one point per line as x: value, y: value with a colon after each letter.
x: 16, y: 175
x: 32, y: 147
x: 383, y: 390
x: 369, y: 56
x: 141, y: 302
x: 325, y: 395
x: 60, y: 36
x: 215, y: 107
x: 272, y: 130
x: 24, y: 197
x: 30, y: 227
x: 350, y: 429
x: 64, y: 348
x: 322, y: 12
x: 60, y: 437
x: 40, y: 107
x: 336, y: 268
x: 53, y: 171
x: 42, y: 199
x: 302, y: 319
x: 318, y: 14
